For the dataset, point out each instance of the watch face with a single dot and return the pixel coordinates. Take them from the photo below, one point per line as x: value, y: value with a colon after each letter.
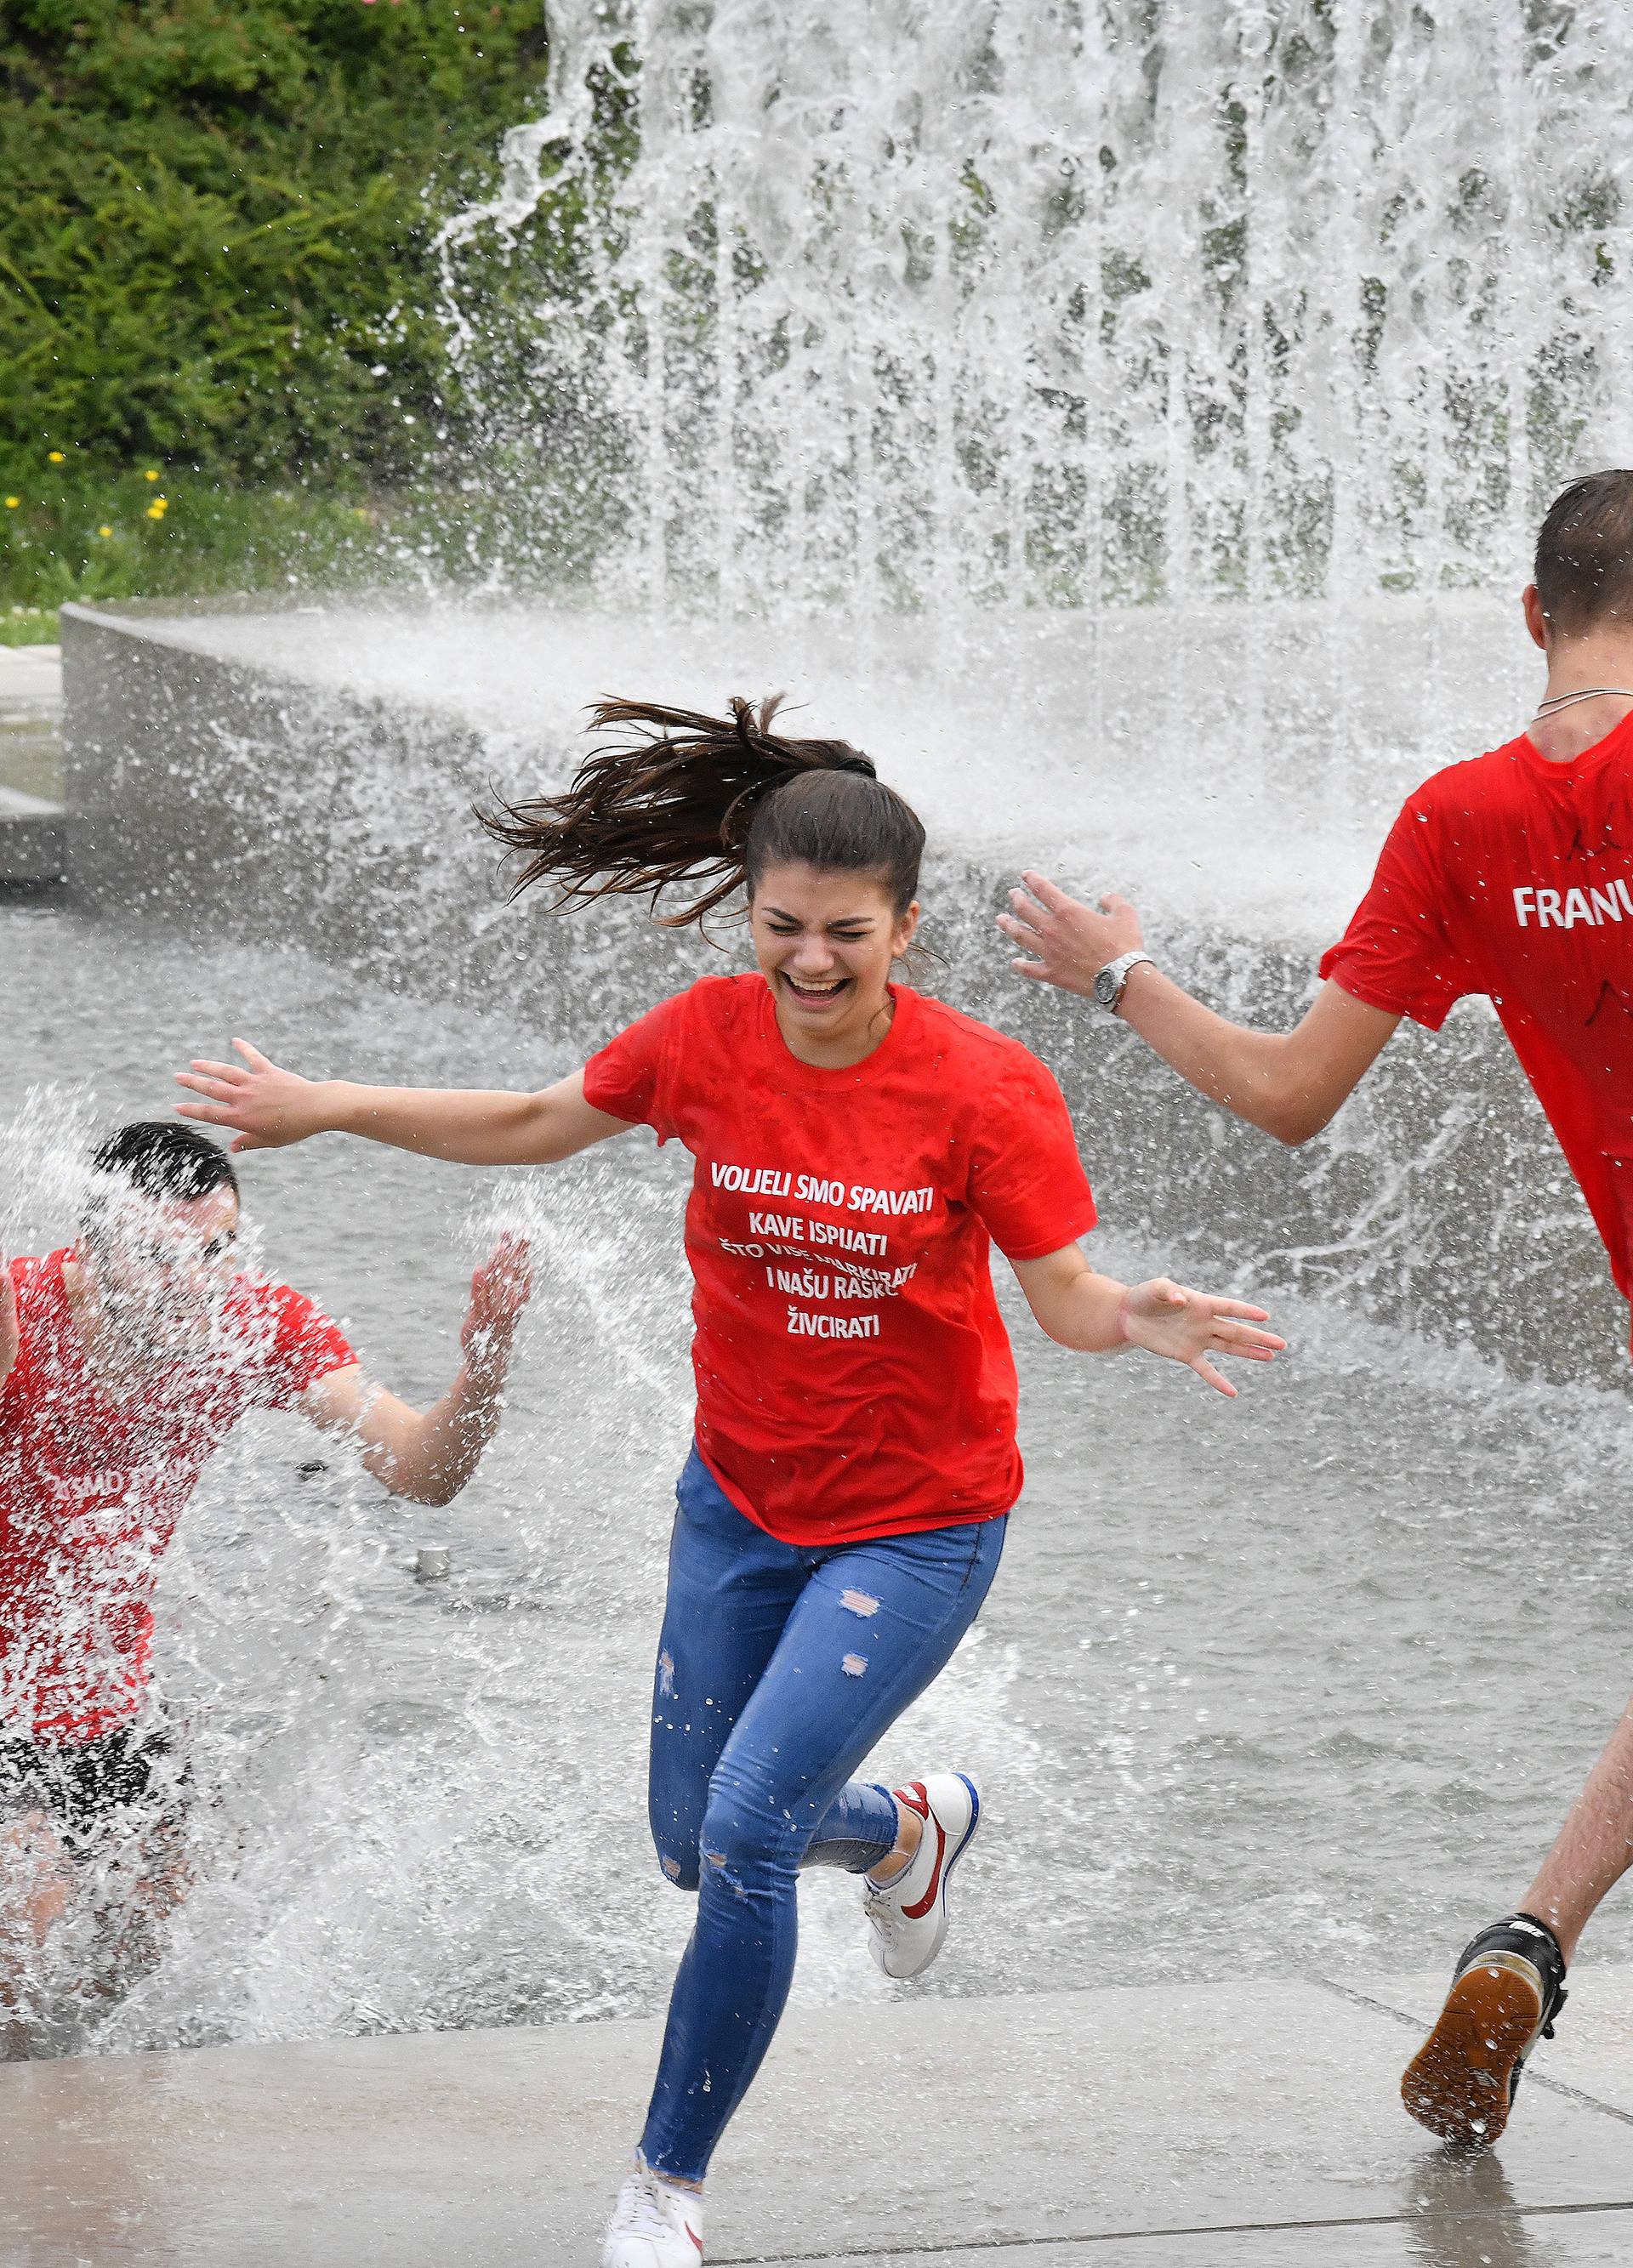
x: 1105, y: 988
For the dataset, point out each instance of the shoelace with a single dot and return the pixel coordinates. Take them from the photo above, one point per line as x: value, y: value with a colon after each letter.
x: 643, y: 2207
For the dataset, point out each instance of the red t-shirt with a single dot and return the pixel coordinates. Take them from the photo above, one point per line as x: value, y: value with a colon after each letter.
x: 89, y: 1490
x: 1512, y: 876
x: 854, y: 1377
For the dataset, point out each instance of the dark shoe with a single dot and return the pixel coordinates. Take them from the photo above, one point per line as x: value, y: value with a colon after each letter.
x: 1509, y: 1987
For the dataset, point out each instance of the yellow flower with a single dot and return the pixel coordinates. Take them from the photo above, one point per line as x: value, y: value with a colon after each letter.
x: 154, y: 511
x: 104, y: 529
x: 12, y: 503
x: 149, y: 476
x: 56, y: 456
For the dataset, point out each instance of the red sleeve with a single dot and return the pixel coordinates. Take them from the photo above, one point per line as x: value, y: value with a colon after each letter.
x: 1027, y: 1183
x: 631, y: 1077
x: 306, y: 1346
x: 1396, y: 955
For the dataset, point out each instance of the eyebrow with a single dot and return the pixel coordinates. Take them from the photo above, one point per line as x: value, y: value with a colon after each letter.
x: 840, y: 921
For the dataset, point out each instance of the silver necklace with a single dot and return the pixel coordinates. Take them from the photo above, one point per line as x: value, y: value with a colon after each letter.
x: 1589, y: 693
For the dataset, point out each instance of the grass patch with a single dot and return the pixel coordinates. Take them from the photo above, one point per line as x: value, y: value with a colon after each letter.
x: 79, y: 532
x: 28, y: 626
x: 149, y: 531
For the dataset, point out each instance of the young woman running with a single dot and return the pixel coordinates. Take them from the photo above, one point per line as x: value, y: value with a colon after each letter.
x: 842, y: 1515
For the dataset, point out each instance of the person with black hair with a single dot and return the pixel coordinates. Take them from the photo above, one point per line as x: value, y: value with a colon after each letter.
x: 858, y: 1148
x: 1509, y: 875
x: 125, y: 1360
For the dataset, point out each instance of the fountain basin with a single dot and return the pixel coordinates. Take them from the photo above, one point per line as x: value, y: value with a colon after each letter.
x: 308, y: 774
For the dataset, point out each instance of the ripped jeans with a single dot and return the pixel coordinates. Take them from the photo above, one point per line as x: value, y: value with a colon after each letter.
x: 778, y: 1668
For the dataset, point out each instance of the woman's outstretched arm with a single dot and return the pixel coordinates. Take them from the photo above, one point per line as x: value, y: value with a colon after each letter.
x: 267, y: 1107
x: 1095, y: 1314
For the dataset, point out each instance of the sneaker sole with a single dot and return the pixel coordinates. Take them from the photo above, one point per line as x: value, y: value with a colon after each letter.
x: 1460, y: 2081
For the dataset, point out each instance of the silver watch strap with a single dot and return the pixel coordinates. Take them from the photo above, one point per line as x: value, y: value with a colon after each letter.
x: 1117, y: 971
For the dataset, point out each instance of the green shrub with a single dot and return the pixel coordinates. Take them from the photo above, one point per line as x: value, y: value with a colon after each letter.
x: 214, y: 228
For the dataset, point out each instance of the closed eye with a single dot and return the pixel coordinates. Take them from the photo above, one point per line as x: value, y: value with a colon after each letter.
x: 839, y: 936
x: 852, y: 929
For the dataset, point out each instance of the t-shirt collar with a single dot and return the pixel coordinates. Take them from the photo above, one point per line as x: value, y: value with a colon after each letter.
x: 791, y: 1071
x: 1614, y: 740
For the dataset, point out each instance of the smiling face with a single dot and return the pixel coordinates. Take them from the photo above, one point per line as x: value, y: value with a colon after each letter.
x: 825, y: 942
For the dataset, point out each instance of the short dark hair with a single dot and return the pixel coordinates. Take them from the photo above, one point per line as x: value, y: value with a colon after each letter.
x: 1585, y: 554
x: 163, y: 1158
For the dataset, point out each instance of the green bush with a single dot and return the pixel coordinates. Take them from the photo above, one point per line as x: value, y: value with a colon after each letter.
x: 215, y: 231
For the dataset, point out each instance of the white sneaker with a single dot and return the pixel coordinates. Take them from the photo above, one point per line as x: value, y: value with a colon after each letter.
x: 653, y: 2225
x: 909, y: 1915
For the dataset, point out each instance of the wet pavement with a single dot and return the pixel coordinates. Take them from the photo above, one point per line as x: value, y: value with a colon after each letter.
x: 1240, y: 2126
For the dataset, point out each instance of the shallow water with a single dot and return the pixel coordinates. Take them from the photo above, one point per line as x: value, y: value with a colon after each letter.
x: 1301, y: 1680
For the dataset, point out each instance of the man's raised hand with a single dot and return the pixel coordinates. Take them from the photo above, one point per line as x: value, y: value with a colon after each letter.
x: 266, y: 1107
x: 1069, y: 944
x: 499, y: 1290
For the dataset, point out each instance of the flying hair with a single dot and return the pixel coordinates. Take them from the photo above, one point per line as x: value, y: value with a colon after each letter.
x: 682, y: 800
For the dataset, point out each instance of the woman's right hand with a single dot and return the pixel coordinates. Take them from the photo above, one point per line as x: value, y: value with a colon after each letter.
x: 266, y: 1107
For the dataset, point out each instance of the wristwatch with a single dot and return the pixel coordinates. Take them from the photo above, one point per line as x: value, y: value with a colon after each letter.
x: 1108, y: 986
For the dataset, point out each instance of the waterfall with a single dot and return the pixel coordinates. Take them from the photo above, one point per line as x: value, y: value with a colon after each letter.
x: 1001, y: 303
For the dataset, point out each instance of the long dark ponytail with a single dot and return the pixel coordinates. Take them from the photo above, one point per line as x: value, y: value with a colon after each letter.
x: 682, y: 798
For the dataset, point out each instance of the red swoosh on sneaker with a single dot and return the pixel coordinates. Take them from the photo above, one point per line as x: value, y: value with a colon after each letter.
x: 696, y: 2239
x: 917, y: 1910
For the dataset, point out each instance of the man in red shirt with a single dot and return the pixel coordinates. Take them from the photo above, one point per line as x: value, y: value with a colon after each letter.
x: 125, y: 1360
x: 1509, y: 875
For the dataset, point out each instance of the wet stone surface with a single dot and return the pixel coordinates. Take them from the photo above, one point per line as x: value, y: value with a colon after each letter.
x: 1229, y: 2126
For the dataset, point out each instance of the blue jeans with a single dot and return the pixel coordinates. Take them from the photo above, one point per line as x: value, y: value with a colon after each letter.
x: 778, y: 1668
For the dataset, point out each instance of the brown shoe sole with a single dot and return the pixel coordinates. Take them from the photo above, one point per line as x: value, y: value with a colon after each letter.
x: 1459, y: 2082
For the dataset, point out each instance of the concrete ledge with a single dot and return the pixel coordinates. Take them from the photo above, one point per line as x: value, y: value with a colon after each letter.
x: 1171, y: 2128
x: 34, y: 839
x: 31, y: 677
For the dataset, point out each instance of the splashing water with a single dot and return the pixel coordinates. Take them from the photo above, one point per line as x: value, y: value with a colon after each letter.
x: 995, y: 303
x: 1218, y: 1634
x: 982, y: 311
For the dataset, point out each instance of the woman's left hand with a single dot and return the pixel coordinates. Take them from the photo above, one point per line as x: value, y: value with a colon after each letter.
x: 1194, y: 1328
